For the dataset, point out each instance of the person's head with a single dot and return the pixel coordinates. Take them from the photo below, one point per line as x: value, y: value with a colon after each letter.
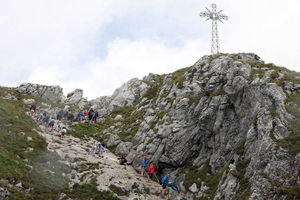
x: 168, y: 176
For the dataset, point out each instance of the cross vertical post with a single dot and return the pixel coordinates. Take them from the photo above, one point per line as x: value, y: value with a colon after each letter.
x: 215, y: 16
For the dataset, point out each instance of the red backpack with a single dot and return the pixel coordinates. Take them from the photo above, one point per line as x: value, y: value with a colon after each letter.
x: 151, y: 169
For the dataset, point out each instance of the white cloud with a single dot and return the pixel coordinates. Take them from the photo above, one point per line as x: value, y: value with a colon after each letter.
x: 63, y: 42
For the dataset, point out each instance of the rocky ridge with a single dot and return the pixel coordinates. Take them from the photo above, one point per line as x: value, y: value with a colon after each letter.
x: 226, y: 127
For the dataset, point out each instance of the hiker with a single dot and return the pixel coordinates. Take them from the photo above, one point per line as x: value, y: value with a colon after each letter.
x: 95, y: 115
x: 46, y: 119
x: 167, y: 181
x: 90, y: 114
x: 66, y: 115
x: 151, y: 171
x: 32, y: 110
x: 70, y: 117
x: 100, y: 149
x: 123, y: 161
x: 144, y: 165
x: 94, y: 148
x: 51, y: 125
x: 79, y: 116
x: 85, y: 113
x: 63, y: 132
x: 60, y: 114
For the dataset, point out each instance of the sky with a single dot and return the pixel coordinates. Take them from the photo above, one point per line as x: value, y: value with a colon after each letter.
x: 97, y: 45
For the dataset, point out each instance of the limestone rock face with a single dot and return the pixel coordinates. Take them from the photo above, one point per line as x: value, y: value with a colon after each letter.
x: 222, y: 111
x: 52, y: 93
x: 76, y: 98
x: 126, y: 95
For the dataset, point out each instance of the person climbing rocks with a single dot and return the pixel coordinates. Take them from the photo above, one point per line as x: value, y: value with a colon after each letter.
x: 60, y: 115
x: 51, y: 125
x: 144, y: 165
x: 46, y: 119
x: 32, y: 110
x: 91, y: 114
x: 167, y: 181
x: 86, y: 115
x: 100, y: 149
x: 165, y: 190
x: 70, y: 117
x: 63, y: 132
x: 151, y: 171
x: 95, y: 116
x: 123, y: 161
x: 80, y: 116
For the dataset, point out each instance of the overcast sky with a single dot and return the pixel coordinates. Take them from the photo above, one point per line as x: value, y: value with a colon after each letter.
x: 98, y: 45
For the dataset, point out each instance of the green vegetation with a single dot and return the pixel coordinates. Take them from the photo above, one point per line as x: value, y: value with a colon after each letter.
x: 256, y: 72
x: 118, y: 190
x: 89, y: 191
x: 292, y: 143
x: 178, y: 76
x: 244, y: 191
x: 241, y: 147
x: 194, y: 99
x: 85, y: 130
x: 196, y: 175
x: 289, y: 76
x: 35, y: 168
x: 292, y: 192
x: 216, y: 93
x: 152, y: 92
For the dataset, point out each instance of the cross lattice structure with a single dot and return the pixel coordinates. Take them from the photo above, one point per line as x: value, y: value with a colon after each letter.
x: 215, y: 16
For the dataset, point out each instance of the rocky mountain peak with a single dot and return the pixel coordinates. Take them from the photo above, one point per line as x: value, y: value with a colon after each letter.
x: 226, y: 127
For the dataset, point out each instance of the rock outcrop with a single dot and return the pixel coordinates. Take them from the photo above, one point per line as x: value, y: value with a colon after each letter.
x: 226, y: 127
x: 224, y: 110
x: 52, y: 93
x: 126, y: 95
x: 76, y: 98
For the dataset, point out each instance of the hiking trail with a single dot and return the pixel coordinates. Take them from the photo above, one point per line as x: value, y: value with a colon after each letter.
x: 105, y: 172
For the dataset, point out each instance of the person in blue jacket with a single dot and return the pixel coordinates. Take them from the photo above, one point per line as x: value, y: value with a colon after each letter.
x: 167, y: 181
x: 144, y: 165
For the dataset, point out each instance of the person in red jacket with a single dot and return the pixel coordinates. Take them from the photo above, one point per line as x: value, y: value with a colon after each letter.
x: 151, y: 171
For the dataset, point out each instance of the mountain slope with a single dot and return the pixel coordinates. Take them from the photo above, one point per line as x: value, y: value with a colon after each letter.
x: 228, y: 126
x: 225, y: 128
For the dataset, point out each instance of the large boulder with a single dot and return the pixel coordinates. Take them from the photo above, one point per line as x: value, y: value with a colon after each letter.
x: 123, y: 148
x: 52, y: 93
x: 76, y: 98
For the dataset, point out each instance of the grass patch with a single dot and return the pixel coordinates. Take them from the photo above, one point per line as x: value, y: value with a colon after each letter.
x: 118, y: 190
x: 244, y: 191
x: 241, y: 147
x: 37, y: 169
x: 217, y: 92
x: 292, y: 192
x: 89, y: 191
x: 194, y: 99
x: 196, y: 175
x: 292, y: 143
x: 85, y: 130
x: 178, y: 76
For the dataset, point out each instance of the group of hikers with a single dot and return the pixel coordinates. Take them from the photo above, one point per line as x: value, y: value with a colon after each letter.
x: 89, y: 115
x: 63, y: 115
x: 166, y: 181
x: 146, y: 166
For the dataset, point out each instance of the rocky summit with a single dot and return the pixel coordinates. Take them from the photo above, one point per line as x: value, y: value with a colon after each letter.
x: 227, y: 127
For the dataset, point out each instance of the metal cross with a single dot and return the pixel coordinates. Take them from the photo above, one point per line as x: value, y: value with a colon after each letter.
x: 215, y: 16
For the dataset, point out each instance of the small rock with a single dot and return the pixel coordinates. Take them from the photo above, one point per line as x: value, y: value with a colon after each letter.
x: 193, y: 188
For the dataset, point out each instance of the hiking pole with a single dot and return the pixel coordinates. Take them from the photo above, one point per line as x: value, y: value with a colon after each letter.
x: 156, y: 177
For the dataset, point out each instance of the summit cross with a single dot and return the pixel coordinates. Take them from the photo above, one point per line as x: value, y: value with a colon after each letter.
x: 215, y: 16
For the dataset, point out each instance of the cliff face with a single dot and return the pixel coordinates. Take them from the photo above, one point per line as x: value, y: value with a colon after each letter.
x: 227, y: 114
x: 227, y: 127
